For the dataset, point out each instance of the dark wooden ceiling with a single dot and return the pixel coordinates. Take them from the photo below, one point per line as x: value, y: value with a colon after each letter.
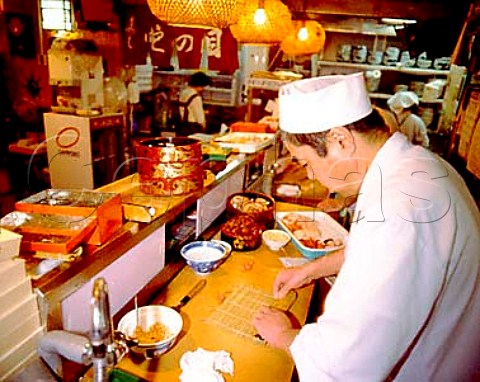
x: 411, y: 9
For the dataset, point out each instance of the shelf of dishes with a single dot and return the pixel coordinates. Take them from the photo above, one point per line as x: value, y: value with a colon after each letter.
x: 396, y: 68
x: 386, y: 96
x: 224, y: 89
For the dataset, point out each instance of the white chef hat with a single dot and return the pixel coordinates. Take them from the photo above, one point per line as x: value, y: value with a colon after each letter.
x: 402, y: 100
x: 322, y: 103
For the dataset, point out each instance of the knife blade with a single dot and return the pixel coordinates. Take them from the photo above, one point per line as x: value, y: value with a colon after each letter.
x: 197, y: 288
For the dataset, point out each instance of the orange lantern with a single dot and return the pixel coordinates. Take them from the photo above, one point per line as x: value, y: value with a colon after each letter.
x: 263, y: 22
x: 307, y: 38
x: 200, y: 14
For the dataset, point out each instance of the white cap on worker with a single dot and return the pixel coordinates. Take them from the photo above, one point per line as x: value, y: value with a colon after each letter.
x: 322, y: 103
x: 402, y: 100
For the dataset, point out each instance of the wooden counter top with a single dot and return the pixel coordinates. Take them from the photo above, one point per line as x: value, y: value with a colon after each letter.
x: 65, y: 280
x: 253, y: 361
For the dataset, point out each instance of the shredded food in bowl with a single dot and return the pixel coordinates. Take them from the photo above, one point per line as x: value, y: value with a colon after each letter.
x: 155, y: 333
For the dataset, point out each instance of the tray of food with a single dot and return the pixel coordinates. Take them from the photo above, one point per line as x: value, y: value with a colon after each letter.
x: 314, y: 233
x: 49, y: 233
x: 106, y: 208
x: 247, y: 143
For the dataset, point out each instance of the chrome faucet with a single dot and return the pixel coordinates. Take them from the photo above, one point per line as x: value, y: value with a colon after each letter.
x: 102, y: 351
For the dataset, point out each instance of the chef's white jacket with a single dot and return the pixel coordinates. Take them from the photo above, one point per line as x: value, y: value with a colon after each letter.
x: 408, y: 293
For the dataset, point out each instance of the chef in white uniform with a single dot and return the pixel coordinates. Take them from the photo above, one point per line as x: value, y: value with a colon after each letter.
x: 405, y: 305
x: 404, y: 106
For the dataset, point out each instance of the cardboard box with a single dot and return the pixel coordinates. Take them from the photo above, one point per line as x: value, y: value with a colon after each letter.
x: 12, y: 273
x: 106, y: 208
x: 9, y: 244
x: 11, y: 296
x: 10, y: 318
x: 20, y: 354
x: 24, y: 328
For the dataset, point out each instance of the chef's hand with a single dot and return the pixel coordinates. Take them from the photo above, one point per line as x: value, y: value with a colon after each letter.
x: 274, y: 327
x: 290, y: 278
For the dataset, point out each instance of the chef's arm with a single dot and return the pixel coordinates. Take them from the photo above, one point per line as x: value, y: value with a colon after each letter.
x: 292, y: 278
x: 327, y: 265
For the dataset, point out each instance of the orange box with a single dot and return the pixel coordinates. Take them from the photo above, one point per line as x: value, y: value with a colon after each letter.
x: 250, y: 127
x: 49, y: 233
x: 106, y: 208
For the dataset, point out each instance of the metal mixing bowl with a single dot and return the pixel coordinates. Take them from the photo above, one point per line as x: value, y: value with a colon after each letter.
x: 147, y: 316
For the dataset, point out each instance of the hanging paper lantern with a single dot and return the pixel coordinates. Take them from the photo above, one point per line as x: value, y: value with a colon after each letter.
x: 276, y: 26
x: 292, y: 45
x: 197, y: 13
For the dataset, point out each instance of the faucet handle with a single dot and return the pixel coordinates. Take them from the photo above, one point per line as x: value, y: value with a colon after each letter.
x: 87, y: 354
x: 101, y: 331
x: 117, y: 351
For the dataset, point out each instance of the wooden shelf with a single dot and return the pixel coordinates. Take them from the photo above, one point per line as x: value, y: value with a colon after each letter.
x: 387, y: 96
x: 397, y: 68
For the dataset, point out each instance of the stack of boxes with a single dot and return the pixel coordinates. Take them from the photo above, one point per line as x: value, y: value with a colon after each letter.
x: 20, y: 325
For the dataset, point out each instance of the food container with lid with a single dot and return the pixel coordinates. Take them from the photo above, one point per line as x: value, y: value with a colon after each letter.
x: 169, y: 166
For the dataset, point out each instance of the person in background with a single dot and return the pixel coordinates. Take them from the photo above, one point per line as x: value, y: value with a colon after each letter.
x: 404, y: 105
x: 405, y: 305
x: 192, y: 94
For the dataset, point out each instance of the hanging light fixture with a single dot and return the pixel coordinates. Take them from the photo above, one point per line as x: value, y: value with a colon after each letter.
x: 197, y: 13
x: 308, y: 37
x: 302, y: 34
x: 259, y: 17
x: 263, y: 22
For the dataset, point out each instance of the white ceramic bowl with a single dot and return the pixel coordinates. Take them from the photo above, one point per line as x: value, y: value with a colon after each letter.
x: 149, y: 315
x: 424, y: 64
x: 204, y: 256
x: 275, y: 239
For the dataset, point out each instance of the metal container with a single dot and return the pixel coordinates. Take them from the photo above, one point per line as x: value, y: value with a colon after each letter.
x: 169, y: 166
x: 145, y: 318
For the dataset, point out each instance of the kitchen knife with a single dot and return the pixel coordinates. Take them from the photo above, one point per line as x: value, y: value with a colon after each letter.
x: 197, y: 288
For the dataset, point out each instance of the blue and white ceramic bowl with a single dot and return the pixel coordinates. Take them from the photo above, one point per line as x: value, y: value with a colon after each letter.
x: 204, y: 256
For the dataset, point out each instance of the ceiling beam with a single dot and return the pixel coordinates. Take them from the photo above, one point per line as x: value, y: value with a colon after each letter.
x: 410, y: 9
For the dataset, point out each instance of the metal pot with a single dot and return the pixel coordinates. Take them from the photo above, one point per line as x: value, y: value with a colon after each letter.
x: 147, y: 316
